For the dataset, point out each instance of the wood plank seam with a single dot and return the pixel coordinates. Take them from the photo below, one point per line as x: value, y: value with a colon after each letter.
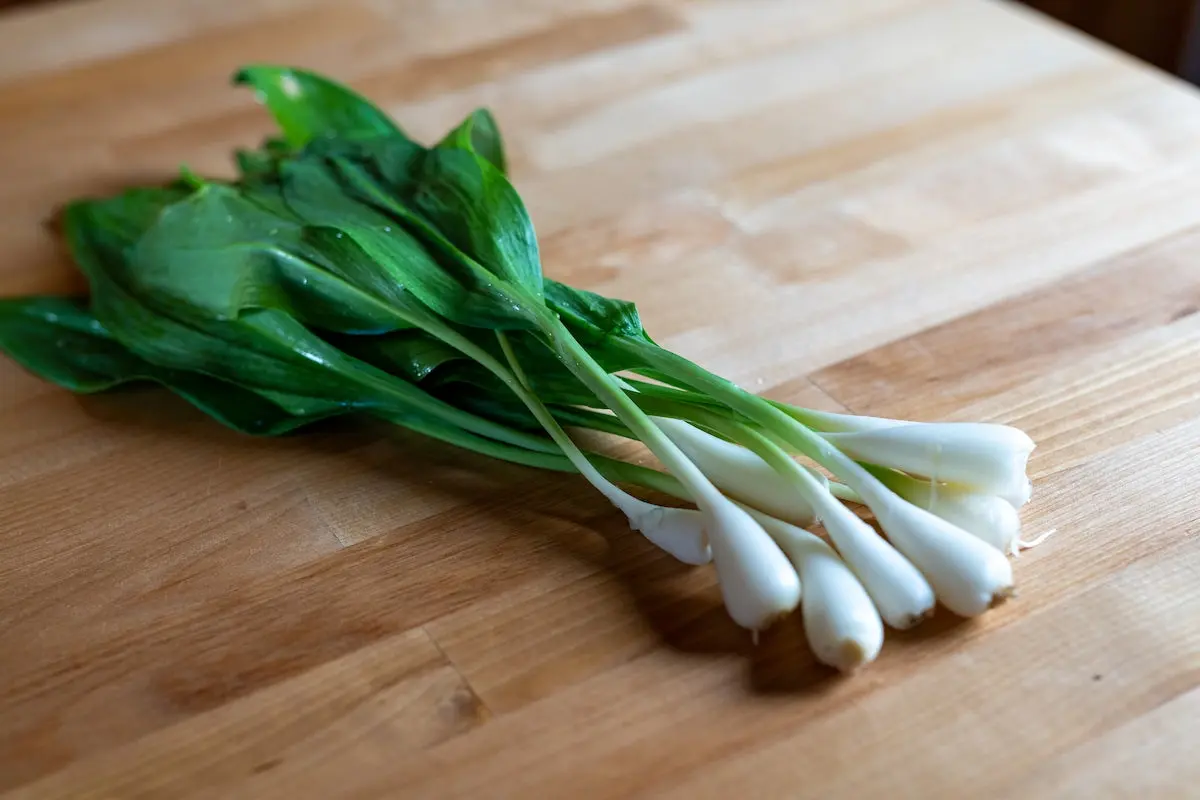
x: 816, y: 381
x: 479, y: 698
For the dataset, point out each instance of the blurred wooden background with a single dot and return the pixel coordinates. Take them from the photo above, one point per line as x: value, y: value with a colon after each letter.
x: 1160, y: 32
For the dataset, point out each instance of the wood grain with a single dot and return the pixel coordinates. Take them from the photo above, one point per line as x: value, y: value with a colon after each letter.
x: 940, y: 209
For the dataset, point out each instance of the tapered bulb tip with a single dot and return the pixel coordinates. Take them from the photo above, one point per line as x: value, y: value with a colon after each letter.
x: 1003, y: 596
x: 846, y: 656
x: 913, y: 620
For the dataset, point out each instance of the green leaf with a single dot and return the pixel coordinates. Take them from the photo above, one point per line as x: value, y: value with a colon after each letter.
x: 261, y: 164
x: 218, y: 253
x: 439, y: 278
x: 117, y: 222
x: 308, y: 106
x: 549, y: 379
x: 263, y: 350
x: 593, y: 317
x: 59, y: 340
x: 391, y: 160
x: 502, y: 408
x: 209, y: 251
x: 413, y: 354
x: 479, y: 134
x: 276, y: 147
x: 253, y: 164
x: 388, y: 176
x: 474, y: 206
x: 507, y: 409
x: 419, y: 357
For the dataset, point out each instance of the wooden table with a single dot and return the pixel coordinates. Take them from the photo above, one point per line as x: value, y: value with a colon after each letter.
x: 930, y: 209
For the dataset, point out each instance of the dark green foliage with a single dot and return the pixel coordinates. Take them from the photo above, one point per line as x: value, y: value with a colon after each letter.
x: 348, y: 269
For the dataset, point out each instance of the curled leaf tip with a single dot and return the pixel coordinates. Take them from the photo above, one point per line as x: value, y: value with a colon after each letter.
x: 190, y: 178
x: 248, y: 73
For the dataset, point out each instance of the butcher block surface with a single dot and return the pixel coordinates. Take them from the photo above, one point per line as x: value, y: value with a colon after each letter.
x: 931, y: 209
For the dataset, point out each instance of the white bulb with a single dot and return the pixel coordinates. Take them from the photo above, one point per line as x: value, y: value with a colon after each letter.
x: 968, y: 575
x: 758, y: 583
x: 679, y: 531
x: 739, y: 472
x: 986, y: 516
x: 1018, y: 494
x: 985, y: 457
x: 841, y: 623
x: 901, y: 593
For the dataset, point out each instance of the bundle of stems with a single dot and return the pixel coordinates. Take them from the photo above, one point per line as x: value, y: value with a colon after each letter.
x: 349, y: 269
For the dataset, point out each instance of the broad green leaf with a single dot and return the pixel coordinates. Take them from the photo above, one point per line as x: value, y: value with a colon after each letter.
x: 117, y: 222
x: 391, y: 160
x: 101, y: 234
x: 267, y: 195
x: 474, y: 206
x: 58, y: 339
x: 549, y: 378
x: 388, y: 178
x: 219, y: 253
x: 507, y: 409
x: 549, y: 387
x: 420, y: 358
x: 413, y: 354
x: 276, y: 147
x: 593, y: 317
x: 450, y: 286
x: 480, y: 135
x: 385, y: 189
x: 308, y: 106
x: 253, y: 164
x: 257, y: 165
x: 210, y: 251
x: 263, y: 350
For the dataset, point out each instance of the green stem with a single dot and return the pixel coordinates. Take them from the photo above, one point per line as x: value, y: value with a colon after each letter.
x: 560, y: 437
x: 479, y: 444
x: 738, y: 433
x: 612, y: 469
x: 577, y: 359
x: 843, y: 492
x: 824, y: 421
x: 574, y: 417
x: 674, y: 394
x: 654, y: 406
x: 661, y: 407
x: 772, y: 419
x: 515, y: 379
x: 624, y: 472
x: 413, y: 397
x: 806, y: 483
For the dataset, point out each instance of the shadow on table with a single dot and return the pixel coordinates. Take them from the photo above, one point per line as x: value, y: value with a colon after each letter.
x: 556, y: 516
x: 693, y: 620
